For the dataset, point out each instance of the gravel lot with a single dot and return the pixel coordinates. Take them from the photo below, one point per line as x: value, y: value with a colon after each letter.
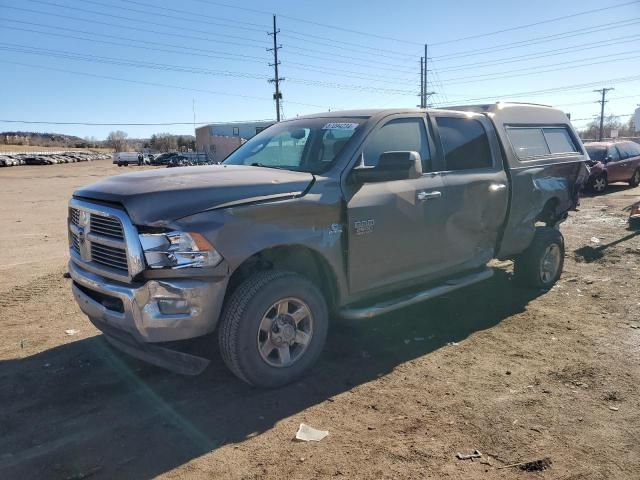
x: 519, y: 375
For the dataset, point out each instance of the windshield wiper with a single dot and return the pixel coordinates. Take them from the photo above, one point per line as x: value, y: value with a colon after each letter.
x: 258, y: 164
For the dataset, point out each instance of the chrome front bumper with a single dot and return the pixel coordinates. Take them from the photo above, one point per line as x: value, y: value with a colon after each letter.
x: 134, y: 309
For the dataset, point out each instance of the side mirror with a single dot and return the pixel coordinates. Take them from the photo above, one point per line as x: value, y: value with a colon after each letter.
x: 391, y: 166
x: 608, y: 158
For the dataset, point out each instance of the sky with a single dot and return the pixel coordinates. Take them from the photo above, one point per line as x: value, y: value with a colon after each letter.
x: 159, y: 61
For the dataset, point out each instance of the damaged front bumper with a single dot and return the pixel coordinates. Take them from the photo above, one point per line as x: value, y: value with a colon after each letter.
x: 134, y: 317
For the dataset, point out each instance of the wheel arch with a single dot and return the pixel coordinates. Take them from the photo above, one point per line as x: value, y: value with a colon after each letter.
x: 292, y: 258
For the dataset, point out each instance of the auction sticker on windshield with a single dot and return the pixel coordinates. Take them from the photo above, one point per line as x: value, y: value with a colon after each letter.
x: 340, y: 126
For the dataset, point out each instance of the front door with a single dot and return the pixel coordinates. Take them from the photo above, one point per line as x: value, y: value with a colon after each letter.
x: 395, y: 226
x: 615, y: 165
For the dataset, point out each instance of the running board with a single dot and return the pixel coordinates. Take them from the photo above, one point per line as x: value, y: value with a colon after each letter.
x: 390, y: 305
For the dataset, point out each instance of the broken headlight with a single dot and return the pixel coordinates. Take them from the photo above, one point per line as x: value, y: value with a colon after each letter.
x: 178, y: 250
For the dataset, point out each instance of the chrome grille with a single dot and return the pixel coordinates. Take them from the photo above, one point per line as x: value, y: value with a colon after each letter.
x: 74, y: 214
x: 108, y: 226
x: 75, y: 242
x: 111, y: 257
x: 103, y: 240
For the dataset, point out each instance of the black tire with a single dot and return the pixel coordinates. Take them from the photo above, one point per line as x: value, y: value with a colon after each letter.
x: 635, y: 180
x: 238, y: 334
x: 599, y: 184
x: 529, y: 269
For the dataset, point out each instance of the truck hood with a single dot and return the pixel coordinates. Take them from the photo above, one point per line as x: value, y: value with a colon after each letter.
x: 155, y: 197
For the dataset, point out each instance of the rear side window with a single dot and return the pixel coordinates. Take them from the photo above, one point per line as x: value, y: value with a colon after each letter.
x: 465, y: 143
x: 628, y: 150
x: 528, y: 142
x: 539, y: 141
x: 633, y: 148
x: 559, y: 140
x: 401, y: 135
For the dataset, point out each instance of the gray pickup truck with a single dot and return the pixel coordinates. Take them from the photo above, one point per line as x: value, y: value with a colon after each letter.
x: 348, y: 214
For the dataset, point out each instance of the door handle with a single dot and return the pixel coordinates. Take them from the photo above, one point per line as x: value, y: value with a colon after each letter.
x: 423, y: 196
x: 497, y: 187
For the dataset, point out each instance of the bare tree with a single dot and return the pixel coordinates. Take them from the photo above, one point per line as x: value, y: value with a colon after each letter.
x: 118, y: 140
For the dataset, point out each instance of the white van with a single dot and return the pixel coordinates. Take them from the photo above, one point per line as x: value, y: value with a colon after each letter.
x: 126, y: 158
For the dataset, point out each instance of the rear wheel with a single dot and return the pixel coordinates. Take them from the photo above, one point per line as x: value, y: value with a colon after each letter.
x: 273, y: 328
x: 599, y: 184
x: 540, y: 265
x: 635, y: 180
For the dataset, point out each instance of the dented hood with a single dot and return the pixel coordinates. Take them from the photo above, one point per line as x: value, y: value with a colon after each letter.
x: 154, y: 197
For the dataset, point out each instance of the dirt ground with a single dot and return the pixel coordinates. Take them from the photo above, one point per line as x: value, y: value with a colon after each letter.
x: 517, y: 374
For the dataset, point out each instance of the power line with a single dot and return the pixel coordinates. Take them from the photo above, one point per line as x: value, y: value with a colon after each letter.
x: 311, y: 22
x: 132, y: 44
x: 536, y: 70
x: 136, y: 124
x: 137, y: 20
x: 543, y: 54
x: 299, y: 36
x: 541, y: 39
x: 528, y: 25
x: 154, y: 84
x: 187, y: 69
x: 198, y: 14
x: 591, y: 101
x: 227, y: 55
x: 632, y: 78
x: 234, y: 23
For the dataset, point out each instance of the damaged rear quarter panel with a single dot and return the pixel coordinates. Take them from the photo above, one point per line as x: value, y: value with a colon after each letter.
x: 535, y: 187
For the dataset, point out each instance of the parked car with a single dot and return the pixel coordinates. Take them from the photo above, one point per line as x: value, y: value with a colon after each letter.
x: 344, y: 214
x: 613, y: 162
x: 179, y: 161
x: 163, y: 158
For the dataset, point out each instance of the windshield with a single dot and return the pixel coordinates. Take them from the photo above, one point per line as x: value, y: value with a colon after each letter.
x: 306, y: 145
x: 596, y: 152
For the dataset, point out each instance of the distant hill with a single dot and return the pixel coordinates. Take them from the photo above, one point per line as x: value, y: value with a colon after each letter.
x: 47, y: 140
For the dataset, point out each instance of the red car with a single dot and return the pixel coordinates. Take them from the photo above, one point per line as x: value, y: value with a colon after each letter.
x: 613, y: 162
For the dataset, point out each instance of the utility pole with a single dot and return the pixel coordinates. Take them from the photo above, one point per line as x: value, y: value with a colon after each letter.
x: 277, y: 96
x: 603, y: 92
x: 426, y: 78
x: 426, y: 93
x: 422, y: 103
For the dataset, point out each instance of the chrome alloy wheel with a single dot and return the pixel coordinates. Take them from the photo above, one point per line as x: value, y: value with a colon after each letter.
x: 285, y: 332
x: 636, y: 177
x: 550, y: 263
x: 599, y: 184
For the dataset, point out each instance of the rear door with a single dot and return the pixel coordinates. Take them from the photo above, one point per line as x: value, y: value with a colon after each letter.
x: 476, y: 190
x: 395, y: 227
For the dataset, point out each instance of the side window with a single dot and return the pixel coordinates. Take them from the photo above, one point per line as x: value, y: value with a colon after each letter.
x: 465, y: 143
x: 622, y: 150
x: 613, y: 153
x: 559, y: 140
x: 402, y: 134
x: 528, y: 142
x: 635, y: 149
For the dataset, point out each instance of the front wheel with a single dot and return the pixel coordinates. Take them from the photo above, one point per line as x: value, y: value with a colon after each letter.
x: 635, y: 180
x: 273, y: 328
x: 540, y: 265
x: 599, y: 184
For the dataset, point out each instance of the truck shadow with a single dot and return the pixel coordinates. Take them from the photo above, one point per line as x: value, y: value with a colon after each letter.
x: 590, y: 254
x: 83, y: 409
